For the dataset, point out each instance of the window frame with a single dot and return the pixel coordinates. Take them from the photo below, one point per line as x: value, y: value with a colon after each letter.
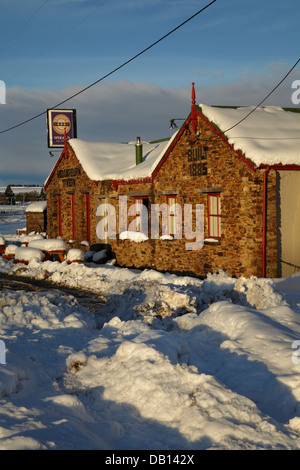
x: 136, y: 215
x: 215, y: 215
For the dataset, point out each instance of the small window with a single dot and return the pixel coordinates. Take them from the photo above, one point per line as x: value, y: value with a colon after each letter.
x: 214, y: 215
x: 171, y: 202
x: 141, y: 214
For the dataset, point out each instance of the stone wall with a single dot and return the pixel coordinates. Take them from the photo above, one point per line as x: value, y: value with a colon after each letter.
x: 36, y: 222
x: 239, y: 250
x: 67, y: 201
x: 194, y: 168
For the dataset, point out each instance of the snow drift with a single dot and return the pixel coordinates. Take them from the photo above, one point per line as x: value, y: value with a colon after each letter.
x: 167, y: 363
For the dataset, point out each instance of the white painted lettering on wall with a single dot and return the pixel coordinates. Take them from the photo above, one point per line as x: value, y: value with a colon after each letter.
x: 2, y: 92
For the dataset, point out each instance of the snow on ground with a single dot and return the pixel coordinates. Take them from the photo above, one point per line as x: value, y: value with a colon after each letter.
x: 176, y: 363
x: 12, y: 217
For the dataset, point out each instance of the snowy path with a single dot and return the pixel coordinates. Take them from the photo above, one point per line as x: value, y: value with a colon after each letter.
x: 178, y: 363
x: 85, y: 298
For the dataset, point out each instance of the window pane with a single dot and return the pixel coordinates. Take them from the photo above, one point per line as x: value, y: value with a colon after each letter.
x: 141, y: 215
x: 214, y: 214
x: 138, y: 203
x: 172, y: 225
x: 214, y: 224
x: 138, y: 224
x: 213, y: 204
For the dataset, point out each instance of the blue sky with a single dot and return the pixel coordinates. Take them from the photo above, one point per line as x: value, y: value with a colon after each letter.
x: 235, y: 52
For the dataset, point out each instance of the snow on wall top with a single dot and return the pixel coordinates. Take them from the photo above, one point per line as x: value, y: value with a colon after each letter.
x: 37, y: 206
x: 105, y: 161
x: 269, y: 135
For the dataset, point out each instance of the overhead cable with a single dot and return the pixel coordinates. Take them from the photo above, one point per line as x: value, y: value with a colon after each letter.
x: 23, y: 26
x: 113, y: 71
x: 81, y: 21
x: 262, y: 101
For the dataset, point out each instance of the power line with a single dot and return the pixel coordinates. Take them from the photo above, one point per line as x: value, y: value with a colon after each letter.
x: 113, y: 71
x: 57, y: 40
x: 269, y: 94
x: 258, y: 105
x: 24, y: 25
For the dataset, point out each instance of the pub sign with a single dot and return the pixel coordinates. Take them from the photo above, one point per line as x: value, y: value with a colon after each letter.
x: 59, y: 121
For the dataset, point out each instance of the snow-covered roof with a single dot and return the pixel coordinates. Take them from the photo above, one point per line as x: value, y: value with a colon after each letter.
x: 37, y: 206
x: 105, y: 161
x: 270, y: 135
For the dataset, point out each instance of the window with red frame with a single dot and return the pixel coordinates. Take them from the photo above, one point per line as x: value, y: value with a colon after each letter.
x: 214, y: 215
x: 141, y: 205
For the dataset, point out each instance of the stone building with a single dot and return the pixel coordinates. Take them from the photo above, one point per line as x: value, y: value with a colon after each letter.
x: 36, y: 217
x: 222, y: 193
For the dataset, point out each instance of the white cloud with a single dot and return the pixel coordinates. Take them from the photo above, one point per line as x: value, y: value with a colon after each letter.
x: 115, y: 112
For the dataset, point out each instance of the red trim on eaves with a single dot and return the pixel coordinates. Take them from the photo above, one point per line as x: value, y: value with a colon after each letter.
x: 116, y: 183
x: 280, y: 166
x: 189, y: 119
x: 63, y: 153
x: 245, y: 159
